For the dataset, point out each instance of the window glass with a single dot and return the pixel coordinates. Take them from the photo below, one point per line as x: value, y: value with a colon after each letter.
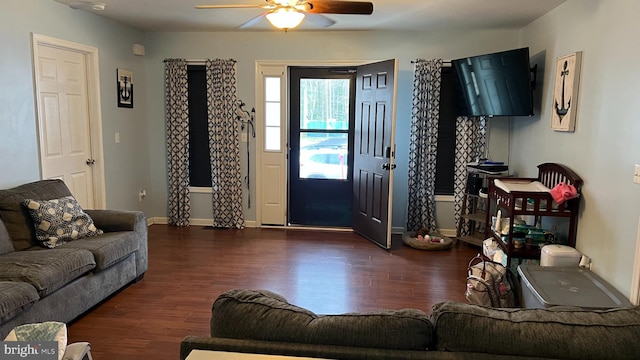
x: 324, y: 163
x: 272, y: 89
x: 199, y: 163
x: 273, y: 115
x: 323, y: 155
x: 324, y: 104
x: 318, y: 140
x: 272, y: 138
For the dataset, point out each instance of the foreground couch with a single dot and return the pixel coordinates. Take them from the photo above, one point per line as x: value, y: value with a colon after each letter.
x: 58, y: 284
x: 264, y: 322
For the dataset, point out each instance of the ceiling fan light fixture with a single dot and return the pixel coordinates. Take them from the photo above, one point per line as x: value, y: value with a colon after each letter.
x: 98, y: 6
x: 285, y: 18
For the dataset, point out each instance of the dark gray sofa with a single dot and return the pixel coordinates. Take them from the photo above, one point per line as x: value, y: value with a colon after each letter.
x: 263, y: 322
x: 41, y: 284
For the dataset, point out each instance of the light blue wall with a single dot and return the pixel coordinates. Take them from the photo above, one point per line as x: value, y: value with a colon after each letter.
x: 605, y: 147
x: 139, y: 161
x: 249, y: 47
x: 126, y: 163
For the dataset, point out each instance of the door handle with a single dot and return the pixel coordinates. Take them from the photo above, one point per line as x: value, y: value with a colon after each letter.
x: 91, y: 161
x: 387, y: 166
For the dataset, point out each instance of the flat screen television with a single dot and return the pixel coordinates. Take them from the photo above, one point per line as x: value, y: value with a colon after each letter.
x: 496, y: 84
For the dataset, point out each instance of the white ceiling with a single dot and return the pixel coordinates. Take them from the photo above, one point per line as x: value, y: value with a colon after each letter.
x: 421, y: 15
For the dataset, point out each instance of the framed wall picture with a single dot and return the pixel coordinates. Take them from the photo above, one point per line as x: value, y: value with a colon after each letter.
x: 565, y: 92
x: 125, y: 88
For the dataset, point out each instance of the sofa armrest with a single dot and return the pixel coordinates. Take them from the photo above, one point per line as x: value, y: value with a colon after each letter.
x: 120, y: 220
x: 78, y: 351
x: 190, y: 343
x: 116, y: 220
x: 549, y: 332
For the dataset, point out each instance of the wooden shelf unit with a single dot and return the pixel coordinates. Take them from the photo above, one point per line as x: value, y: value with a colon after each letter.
x: 472, y: 222
x: 474, y: 216
x: 537, y: 204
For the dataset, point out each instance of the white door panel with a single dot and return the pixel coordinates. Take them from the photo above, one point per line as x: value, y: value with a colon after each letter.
x: 65, y: 138
x: 270, y: 145
x: 273, y: 206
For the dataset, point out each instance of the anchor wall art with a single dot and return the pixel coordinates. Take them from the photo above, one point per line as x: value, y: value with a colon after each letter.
x: 125, y: 88
x: 565, y: 92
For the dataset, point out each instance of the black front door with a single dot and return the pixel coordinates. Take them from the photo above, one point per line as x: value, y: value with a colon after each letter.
x: 321, y: 146
x: 374, y: 151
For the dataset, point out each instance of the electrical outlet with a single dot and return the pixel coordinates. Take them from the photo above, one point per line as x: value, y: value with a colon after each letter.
x: 142, y: 194
x: 636, y: 174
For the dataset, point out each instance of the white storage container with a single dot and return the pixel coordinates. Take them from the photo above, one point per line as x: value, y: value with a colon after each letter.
x: 543, y: 287
x: 559, y: 255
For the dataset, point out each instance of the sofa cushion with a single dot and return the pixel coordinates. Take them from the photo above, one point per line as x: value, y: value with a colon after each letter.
x: 109, y: 248
x: 263, y: 315
x: 562, y: 333
x: 16, y: 217
x: 57, y: 221
x: 46, y: 269
x: 15, y: 297
x: 5, y: 241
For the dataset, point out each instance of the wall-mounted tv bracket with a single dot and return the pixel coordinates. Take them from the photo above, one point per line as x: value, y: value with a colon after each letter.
x: 534, y: 76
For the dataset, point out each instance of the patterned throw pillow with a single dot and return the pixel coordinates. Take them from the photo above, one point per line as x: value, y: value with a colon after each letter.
x: 60, y: 220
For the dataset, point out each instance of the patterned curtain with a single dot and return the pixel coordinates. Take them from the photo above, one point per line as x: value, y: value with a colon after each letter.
x: 423, y: 145
x: 471, y: 143
x: 177, y: 117
x: 224, y: 145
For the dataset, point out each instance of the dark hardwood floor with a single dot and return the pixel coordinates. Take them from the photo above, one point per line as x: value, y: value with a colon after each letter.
x: 324, y: 271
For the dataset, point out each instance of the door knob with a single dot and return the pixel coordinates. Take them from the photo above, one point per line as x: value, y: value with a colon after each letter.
x: 90, y: 161
x: 387, y: 166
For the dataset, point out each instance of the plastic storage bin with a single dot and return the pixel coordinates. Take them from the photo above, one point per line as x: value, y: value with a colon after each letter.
x: 559, y: 255
x: 544, y: 286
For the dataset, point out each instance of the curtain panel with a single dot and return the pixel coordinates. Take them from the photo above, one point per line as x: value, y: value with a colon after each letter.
x: 423, y: 145
x: 177, y: 122
x: 224, y: 145
x: 471, y: 143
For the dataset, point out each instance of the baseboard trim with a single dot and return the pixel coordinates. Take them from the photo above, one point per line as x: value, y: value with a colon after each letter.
x: 193, y: 221
x: 253, y: 224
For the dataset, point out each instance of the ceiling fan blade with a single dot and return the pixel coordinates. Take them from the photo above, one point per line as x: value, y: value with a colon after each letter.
x: 253, y: 21
x: 339, y: 7
x: 320, y: 20
x: 233, y: 6
x: 87, y: 5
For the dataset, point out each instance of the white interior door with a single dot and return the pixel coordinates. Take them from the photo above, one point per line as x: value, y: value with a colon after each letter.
x: 64, y: 124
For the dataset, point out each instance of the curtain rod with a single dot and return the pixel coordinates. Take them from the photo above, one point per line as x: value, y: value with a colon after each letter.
x: 421, y: 60
x: 200, y: 60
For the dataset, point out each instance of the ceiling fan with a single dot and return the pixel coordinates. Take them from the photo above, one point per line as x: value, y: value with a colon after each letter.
x: 288, y: 14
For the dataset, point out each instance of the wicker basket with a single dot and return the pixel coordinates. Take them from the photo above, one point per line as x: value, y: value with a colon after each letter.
x: 410, y: 239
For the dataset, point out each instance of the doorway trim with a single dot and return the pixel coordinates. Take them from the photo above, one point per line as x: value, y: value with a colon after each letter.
x: 259, y: 121
x: 635, y: 279
x: 94, y: 108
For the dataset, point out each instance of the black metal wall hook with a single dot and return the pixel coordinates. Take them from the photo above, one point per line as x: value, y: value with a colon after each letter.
x: 246, y: 118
